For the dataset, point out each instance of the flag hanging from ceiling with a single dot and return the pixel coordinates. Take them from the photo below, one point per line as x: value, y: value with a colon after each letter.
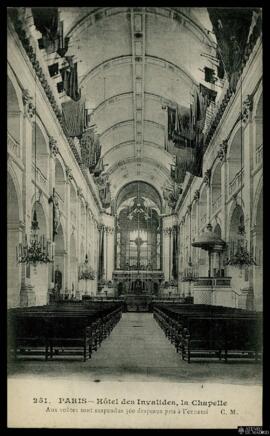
x: 209, y: 95
x: 220, y: 67
x: 74, y: 117
x: 47, y: 22
x: 179, y: 130
x: 70, y: 79
x: 231, y: 27
x: 90, y: 149
x: 185, y: 134
x: 99, y: 168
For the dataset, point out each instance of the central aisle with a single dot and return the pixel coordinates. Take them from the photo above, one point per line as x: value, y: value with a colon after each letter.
x: 136, y: 341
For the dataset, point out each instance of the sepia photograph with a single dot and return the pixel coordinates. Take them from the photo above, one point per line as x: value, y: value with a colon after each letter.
x: 135, y: 217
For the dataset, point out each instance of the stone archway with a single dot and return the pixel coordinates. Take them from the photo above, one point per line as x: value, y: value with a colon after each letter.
x: 14, y: 271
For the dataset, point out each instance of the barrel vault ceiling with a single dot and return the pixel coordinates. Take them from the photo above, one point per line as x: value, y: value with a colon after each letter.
x: 132, y: 62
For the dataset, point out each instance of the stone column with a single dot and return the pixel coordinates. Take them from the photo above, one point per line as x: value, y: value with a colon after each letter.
x: 166, y: 253
x: 110, y: 251
x: 53, y: 153
x: 78, y: 241
x: 27, y: 293
x: 180, y: 241
x: 67, y: 279
x: 105, y: 253
x: 247, y: 179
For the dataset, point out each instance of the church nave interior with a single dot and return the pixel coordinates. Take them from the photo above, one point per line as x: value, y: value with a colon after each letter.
x: 135, y: 193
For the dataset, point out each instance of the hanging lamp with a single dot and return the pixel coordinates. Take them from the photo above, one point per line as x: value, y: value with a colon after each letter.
x: 85, y: 270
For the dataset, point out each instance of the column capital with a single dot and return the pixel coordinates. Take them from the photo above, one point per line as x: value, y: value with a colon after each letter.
x: 247, y: 108
x: 80, y: 193
x: 189, y: 208
x: 196, y: 195
x: 54, y: 150
x: 69, y: 174
x: 109, y: 230
x: 167, y: 231
x: 29, y: 108
x: 207, y: 177
x: 222, y: 152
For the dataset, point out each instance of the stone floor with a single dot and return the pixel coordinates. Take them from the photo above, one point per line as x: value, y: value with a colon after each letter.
x: 137, y: 350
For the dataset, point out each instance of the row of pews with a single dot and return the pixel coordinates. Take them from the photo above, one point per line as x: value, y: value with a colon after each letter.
x: 61, y: 329
x: 198, y: 330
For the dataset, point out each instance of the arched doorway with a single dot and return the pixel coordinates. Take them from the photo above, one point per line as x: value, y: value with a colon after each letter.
x: 40, y: 272
x: 14, y: 271
x: 258, y: 269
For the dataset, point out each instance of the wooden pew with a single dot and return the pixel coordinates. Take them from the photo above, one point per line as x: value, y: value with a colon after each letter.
x: 61, y: 328
x: 211, y: 331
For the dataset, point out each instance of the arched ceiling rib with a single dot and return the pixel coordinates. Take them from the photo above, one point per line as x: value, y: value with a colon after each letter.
x: 132, y: 189
x: 131, y: 63
x: 127, y: 59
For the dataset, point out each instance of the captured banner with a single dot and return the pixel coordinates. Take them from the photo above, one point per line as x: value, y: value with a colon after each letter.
x: 231, y: 28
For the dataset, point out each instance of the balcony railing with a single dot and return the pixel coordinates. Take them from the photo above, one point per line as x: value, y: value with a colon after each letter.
x: 41, y: 179
x: 216, y: 204
x: 259, y: 155
x: 236, y: 182
x: 212, y: 282
x: 13, y: 146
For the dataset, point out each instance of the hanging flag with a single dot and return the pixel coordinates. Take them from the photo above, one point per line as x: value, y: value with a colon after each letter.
x: 87, y: 148
x: 220, y: 67
x: 74, y: 117
x: 49, y: 25
x: 209, y: 75
x: 70, y: 79
x: 99, y: 168
x: 179, y: 126
x: 231, y: 28
x: 63, y: 41
x: 46, y: 21
x: 209, y: 95
x: 53, y: 69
